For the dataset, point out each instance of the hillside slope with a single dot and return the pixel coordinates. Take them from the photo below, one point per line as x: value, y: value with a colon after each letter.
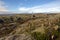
x: 22, y: 26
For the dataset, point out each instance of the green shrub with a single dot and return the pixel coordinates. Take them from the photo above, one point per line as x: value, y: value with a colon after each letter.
x: 39, y: 36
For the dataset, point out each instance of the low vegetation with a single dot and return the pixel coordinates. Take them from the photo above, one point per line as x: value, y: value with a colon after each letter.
x: 30, y: 27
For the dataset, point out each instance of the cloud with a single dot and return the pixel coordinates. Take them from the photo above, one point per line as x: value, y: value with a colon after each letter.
x: 2, y: 6
x: 50, y: 7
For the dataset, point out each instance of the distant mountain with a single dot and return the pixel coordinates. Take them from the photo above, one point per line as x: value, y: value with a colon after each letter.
x: 6, y: 13
x: 1, y: 12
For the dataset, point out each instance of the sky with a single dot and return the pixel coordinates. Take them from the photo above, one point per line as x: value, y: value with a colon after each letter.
x: 30, y: 6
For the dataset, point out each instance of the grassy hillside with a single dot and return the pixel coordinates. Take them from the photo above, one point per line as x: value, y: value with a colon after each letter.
x: 30, y: 27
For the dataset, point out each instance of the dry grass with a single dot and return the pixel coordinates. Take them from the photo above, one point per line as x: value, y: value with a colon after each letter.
x: 28, y: 24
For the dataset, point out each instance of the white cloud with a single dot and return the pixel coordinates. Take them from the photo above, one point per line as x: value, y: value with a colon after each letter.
x: 2, y: 6
x: 50, y: 7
